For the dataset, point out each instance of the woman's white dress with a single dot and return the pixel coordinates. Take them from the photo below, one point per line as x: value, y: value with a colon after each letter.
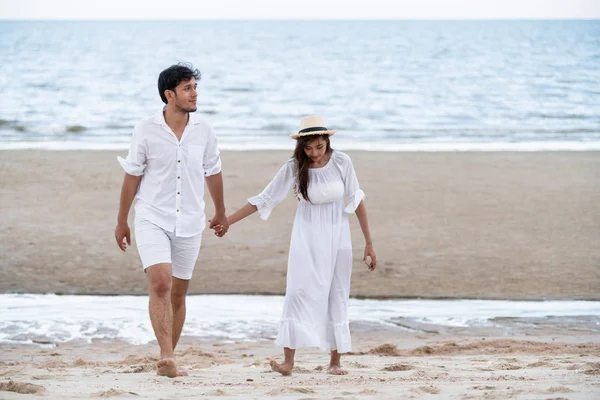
x: 315, y: 311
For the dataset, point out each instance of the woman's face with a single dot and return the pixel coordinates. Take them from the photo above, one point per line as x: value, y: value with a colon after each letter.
x: 315, y: 149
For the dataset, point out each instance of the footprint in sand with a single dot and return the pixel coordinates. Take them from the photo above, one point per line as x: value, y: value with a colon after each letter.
x: 574, y: 367
x: 484, y: 387
x: 507, y: 367
x: 368, y: 391
x: 10, y: 372
x: 357, y: 364
x: 256, y: 363
x: 292, y: 390
x: 558, y: 389
x: 21, y: 387
x: 138, y: 369
x: 217, y: 392
x: 115, y: 392
x: 43, y: 377
x: 301, y: 370
x: 593, y: 369
x: 427, y: 389
x: 398, y: 367
x: 385, y: 350
x: 539, y: 364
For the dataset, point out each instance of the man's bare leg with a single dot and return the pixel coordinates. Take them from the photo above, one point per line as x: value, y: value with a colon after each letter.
x: 178, y: 293
x: 335, y: 366
x: 161, y: 316
x: 288, y: 364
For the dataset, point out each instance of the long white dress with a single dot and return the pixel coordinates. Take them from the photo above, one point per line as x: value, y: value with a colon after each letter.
x: 315, y: 311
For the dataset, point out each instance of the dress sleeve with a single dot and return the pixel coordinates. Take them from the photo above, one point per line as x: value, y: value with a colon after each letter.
x: 135, y: 162
x: 212, y: 157
x: 275, y: 191
x: 351, y: 185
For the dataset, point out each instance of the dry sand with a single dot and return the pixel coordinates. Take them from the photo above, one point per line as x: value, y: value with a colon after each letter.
x: 458, y: 225
x: 383, y: 366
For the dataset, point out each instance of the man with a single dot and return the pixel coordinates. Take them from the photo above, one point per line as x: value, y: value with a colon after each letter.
x: 170, y: 156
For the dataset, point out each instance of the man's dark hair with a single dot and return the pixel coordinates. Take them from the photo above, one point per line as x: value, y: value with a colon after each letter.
x: 174, y: 75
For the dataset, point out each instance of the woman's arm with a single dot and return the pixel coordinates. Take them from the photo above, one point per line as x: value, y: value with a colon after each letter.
x: 361, y: 213
x: 264, y: 202
x: 247, y: 210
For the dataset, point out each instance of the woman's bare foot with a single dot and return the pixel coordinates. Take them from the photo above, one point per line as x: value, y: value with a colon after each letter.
x: 336, y: 370
x: 284, y: 369
x: 166, y: 367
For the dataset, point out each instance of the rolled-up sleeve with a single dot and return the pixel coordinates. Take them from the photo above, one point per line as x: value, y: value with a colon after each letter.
x: 275, y: 192
x: 135, y: 162
x: 351, y: 186
x: 212, y: 157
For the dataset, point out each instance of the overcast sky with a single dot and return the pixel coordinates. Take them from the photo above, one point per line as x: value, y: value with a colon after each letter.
x: 298, y: 9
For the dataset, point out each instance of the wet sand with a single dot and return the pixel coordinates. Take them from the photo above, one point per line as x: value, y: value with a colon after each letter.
x: 445, y: 225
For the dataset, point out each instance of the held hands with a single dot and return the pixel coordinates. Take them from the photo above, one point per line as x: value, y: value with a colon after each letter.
x: 123, y: 233
x: 370, y: 253
x: 219, y: 224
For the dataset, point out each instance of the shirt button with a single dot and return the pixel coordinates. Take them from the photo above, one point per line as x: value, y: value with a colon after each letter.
x: 178, y: 177
x: 177, y: 210
x: 177, y: 192
x: 178, y: 161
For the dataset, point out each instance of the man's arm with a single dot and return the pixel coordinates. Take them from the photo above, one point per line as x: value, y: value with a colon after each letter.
x: 128, y: 191
x: 215, y: 188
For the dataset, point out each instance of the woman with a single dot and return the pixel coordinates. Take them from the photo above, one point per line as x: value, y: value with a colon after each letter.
x: 315, y: 311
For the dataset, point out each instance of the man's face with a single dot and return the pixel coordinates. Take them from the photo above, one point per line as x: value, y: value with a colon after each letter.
x: 186, y: 96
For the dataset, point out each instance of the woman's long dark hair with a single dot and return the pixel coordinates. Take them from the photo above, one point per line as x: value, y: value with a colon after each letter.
x: 302, y: 162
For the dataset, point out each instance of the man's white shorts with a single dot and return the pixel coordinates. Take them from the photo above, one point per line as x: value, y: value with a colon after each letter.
x: 157, y: 246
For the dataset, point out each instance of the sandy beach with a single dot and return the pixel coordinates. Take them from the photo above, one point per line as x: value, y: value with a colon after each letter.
x: 445, y: 225
x: 384, y: 365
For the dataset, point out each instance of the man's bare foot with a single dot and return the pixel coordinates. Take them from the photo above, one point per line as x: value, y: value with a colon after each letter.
x: 167, y: 367
x: 284, y: 369
x: 336, y: 370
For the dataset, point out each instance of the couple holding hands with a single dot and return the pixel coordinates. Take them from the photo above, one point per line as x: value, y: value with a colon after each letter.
x: 172, y: 154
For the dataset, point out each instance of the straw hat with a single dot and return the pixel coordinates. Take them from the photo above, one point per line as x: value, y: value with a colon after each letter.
x: 312, y: 125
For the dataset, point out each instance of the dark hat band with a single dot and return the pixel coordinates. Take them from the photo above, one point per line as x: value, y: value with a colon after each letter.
x: 315, y: 129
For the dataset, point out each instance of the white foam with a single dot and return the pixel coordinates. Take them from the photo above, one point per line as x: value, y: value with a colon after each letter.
x: 342, y: 145
x: 27, y: 318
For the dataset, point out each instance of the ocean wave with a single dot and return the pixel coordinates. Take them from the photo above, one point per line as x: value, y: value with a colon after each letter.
x: 238, y: 90
x: 418, y: 77
x: 75, y: 129
x: 253, y: 144
x: 560, y: 116
x: 47, y: 319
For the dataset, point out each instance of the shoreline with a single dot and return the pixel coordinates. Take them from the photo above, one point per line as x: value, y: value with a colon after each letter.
x: 356, y: 297
x: 500, y: 147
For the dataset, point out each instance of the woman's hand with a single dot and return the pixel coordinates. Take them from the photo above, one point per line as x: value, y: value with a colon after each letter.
x: 370, y: 254
x: 220, y: 230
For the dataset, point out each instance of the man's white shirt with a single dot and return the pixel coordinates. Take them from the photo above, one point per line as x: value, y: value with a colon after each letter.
x: 171, y: 192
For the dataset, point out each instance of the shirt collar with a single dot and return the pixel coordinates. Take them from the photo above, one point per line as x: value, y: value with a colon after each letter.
x: 159, y: 118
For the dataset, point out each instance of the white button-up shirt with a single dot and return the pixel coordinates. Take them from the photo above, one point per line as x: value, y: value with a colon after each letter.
x: 171, y: 192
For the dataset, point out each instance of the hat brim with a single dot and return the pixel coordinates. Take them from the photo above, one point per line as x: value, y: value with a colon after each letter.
x: 297, y: 135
